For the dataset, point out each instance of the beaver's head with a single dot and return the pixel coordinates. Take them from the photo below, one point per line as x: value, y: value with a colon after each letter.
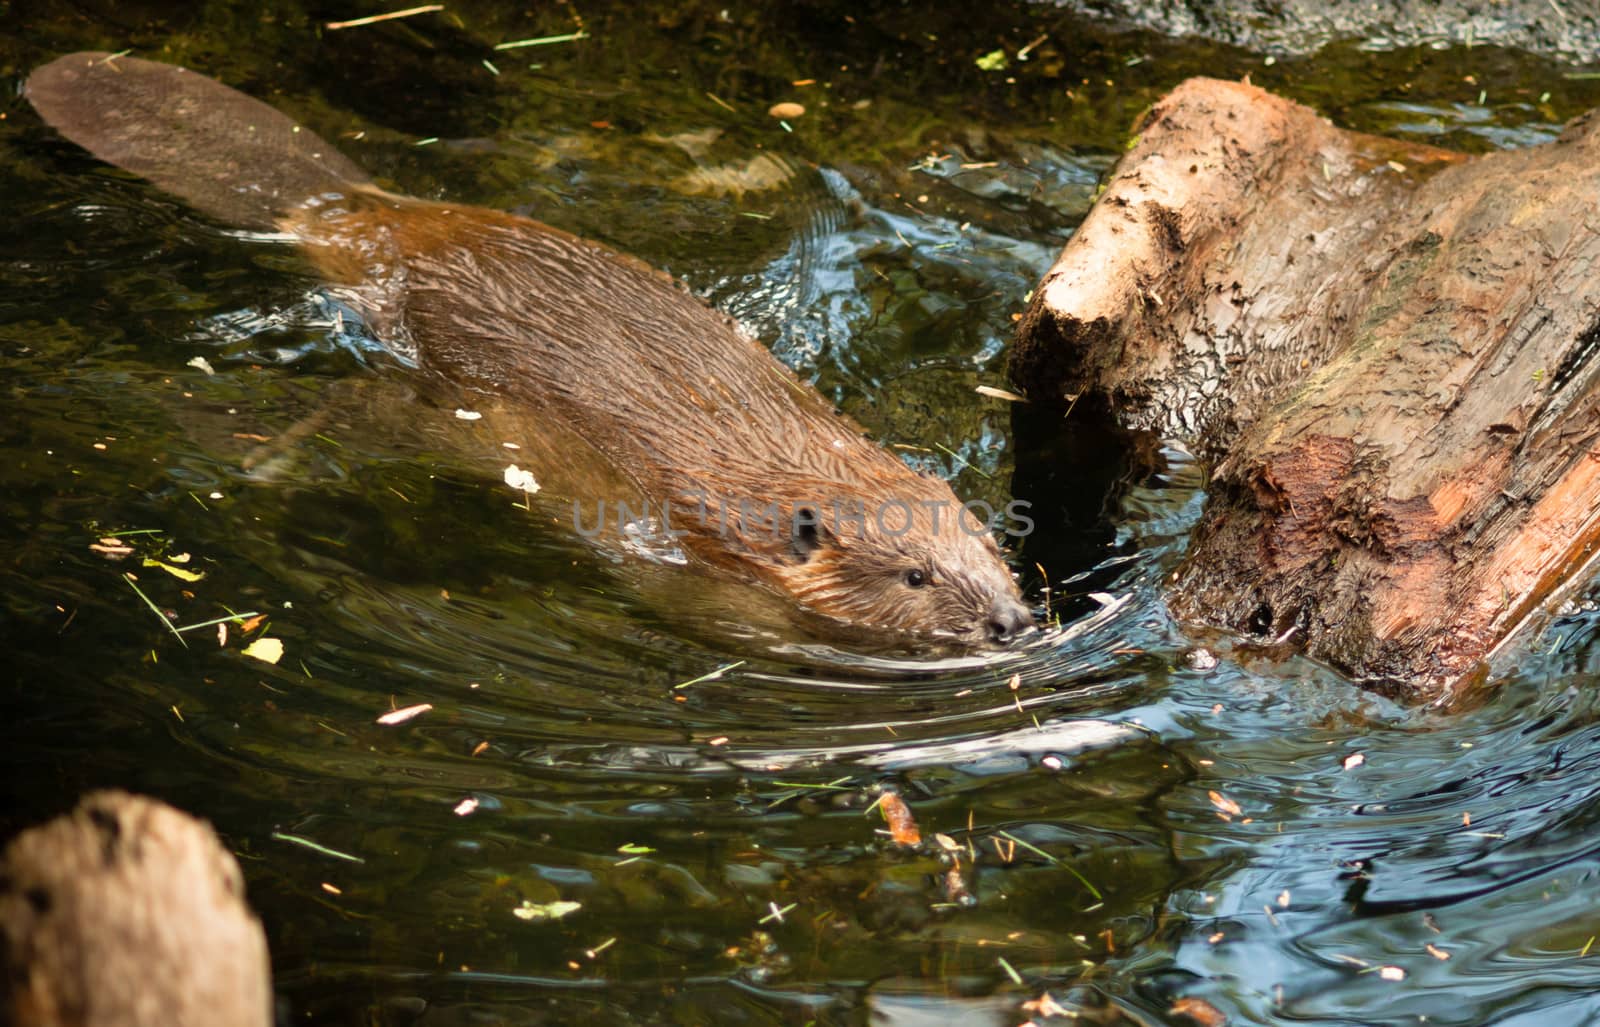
x: 923, y: 566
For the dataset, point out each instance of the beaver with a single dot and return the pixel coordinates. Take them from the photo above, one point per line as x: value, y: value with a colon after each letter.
x: 752, y: 472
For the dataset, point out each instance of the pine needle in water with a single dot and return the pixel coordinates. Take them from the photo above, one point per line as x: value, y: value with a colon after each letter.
x: 154, y: 609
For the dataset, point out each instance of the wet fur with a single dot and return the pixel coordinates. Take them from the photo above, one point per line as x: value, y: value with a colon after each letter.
x: 664, y: 389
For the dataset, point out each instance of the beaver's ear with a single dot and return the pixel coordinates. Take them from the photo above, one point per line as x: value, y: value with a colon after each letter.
x: 810, y: 534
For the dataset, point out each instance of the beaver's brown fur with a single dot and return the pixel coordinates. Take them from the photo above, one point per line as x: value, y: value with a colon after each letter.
x: 634, y: 370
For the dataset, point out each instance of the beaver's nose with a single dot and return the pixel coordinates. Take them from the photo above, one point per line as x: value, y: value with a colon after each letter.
x: 1007, y: 619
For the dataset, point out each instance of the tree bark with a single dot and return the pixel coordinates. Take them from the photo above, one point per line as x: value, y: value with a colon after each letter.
x: 1386, y: 352
x: 127, y: 913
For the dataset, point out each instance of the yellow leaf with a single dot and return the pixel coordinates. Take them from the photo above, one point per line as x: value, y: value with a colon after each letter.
x: 268, y: 650
x: 176, y: 572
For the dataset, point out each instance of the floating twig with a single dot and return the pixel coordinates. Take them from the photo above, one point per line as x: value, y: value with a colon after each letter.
x: 518, y: 44
x: 334, y: 26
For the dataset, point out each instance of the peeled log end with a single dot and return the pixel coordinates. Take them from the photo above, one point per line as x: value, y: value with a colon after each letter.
x: 128, y: 913
x: 1386, y: 352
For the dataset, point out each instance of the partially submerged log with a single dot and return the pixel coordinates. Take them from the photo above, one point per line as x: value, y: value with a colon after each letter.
x: 127, y: 913
x: 1386, y: 352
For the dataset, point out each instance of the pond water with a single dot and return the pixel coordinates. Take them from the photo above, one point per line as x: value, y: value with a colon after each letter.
x: 1138, y: 814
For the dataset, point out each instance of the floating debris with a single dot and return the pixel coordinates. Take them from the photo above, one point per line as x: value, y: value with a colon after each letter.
x: 994, y: 393
x: 314, y: 847
x: 133, y: 584
x: 176, y: 572
x: 468, y: 415
x: 545, y: 910
x: 1353, y: 761
x: 267, y: 650
x: 714, y: 675
x: 523, y: 481
x: 203, y: 364
x: 466, y: 807
x: 1225, y: 804
x: 902, y: 826
x: 111, y: 548
x: 334, y: 26
x: 1199, y: 1010
x: 400, y: 716
x: 786, y: 111
x: 518, y: 44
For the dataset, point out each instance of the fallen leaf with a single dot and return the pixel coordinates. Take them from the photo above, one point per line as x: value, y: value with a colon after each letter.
x: 994, y: 60
x: 267, y: 650
x: 522, y: 480
x: 545, y: 910
x: 176, y: 572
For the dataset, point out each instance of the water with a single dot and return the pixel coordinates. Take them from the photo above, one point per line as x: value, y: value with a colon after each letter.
x: 1130, y: 825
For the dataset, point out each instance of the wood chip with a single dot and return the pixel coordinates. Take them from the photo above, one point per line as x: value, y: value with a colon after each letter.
x: 994, y: 393
x: 902, y: 827
x: 1225, y: 804
x: 400, y: 716
x: 1199, y: 1010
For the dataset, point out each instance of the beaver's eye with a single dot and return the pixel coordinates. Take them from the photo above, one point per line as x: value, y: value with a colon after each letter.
x: 916, y: 579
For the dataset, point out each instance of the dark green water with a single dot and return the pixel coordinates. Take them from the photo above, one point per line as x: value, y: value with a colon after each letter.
x: 881, y: 247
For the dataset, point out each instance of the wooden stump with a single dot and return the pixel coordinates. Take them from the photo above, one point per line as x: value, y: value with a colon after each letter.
x: 127, y: 913
x: 1386, y: 353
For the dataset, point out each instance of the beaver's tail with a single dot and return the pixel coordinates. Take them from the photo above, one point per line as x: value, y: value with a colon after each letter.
x: 231, y: 156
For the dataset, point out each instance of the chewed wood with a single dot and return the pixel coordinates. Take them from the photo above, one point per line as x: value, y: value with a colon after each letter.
x: 1387, y: 352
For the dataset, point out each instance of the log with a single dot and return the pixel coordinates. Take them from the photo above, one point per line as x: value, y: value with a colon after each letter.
x: 128, y: 913
x: 1386, y: 354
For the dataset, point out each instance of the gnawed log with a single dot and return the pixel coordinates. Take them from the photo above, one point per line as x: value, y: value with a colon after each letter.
x: 127, y: 913
x: 1387, y: 352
